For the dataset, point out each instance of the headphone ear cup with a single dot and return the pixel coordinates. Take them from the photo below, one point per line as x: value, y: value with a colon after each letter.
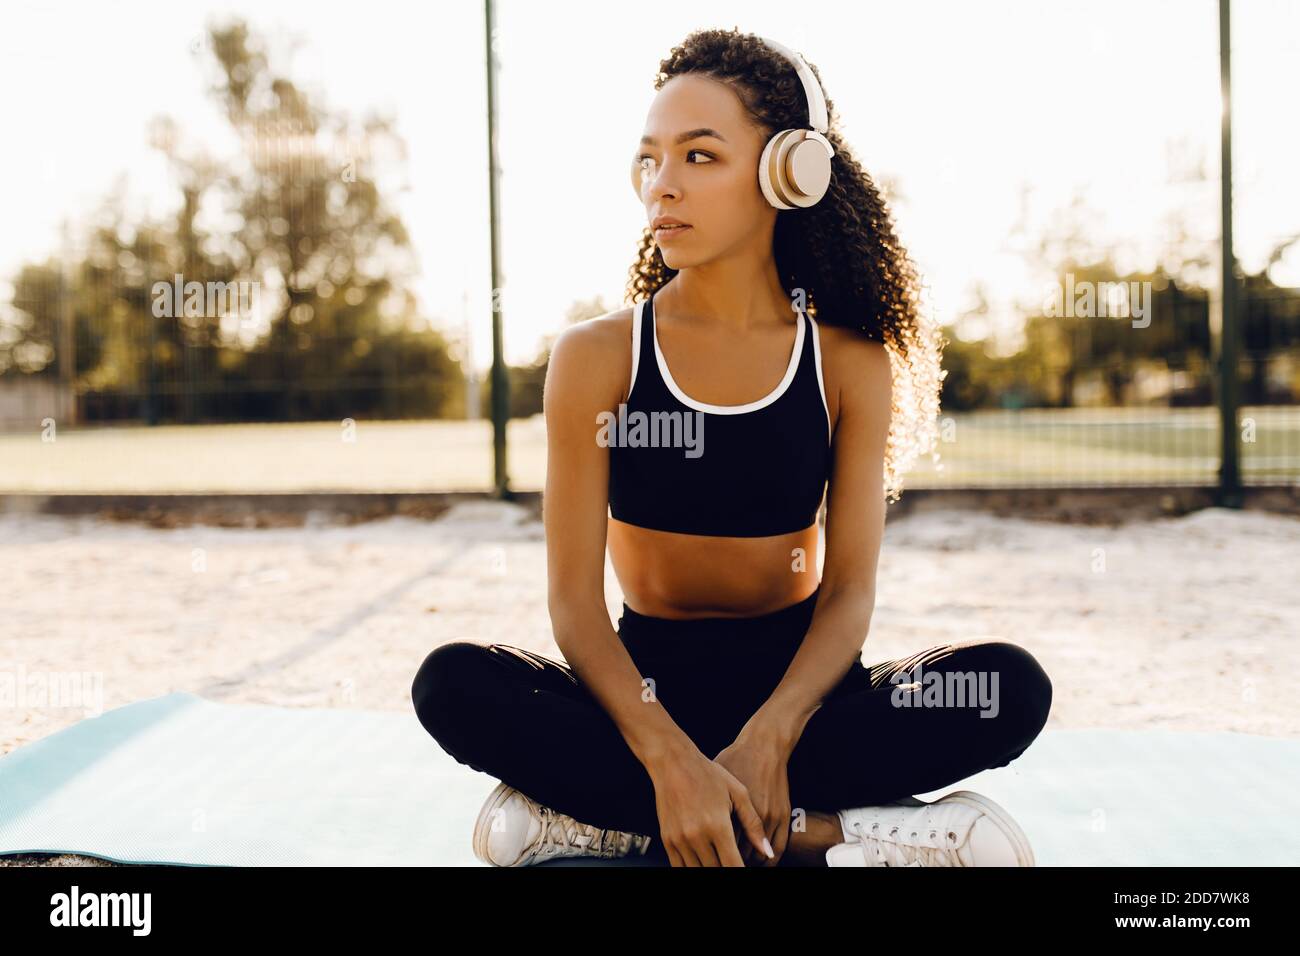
x: 794, y: 171
x: 808, y: 168
x: 766, y: 174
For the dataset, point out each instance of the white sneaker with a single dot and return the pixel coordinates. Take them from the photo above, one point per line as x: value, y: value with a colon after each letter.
x: 962, y: 828
x: 513, y: 829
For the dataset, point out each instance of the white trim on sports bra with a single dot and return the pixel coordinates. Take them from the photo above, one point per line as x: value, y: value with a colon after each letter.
x: 753, y: 406
x: 821, y: 384
x: 636, y: 345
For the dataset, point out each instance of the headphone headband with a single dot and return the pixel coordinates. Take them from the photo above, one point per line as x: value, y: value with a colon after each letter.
x: 817, y: 114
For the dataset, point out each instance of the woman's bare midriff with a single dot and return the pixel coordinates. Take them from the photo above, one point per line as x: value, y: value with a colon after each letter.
x: 684, y: 576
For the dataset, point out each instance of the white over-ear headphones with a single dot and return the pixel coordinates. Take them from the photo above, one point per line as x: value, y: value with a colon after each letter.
x: 795, y: 168
x: 794, y: 171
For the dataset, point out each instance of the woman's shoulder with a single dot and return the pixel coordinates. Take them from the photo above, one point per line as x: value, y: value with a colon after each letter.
x: 846, y: 351
x: 605, y: 336
x: 598, y: 349
x: 850, y: 359
x: 841, y: 339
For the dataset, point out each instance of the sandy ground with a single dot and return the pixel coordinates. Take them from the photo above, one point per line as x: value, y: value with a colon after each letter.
x: 1187, y: 623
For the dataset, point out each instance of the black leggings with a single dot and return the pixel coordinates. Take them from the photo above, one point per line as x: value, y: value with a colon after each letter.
x: 527, y: 720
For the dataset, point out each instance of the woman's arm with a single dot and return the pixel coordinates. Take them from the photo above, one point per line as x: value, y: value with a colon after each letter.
x: 581, y: 382
x: 855, y: 523
x: 695, y: 798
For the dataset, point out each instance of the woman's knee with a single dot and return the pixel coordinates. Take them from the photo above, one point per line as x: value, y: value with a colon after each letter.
x: 1022, y: 685
x: 1028, y: 684
x: 437, y: 691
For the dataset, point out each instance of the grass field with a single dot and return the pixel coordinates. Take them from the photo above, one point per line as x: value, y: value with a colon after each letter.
x: 1032, y: 447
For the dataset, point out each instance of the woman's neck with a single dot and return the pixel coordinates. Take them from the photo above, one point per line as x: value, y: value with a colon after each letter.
x: 736, y: 295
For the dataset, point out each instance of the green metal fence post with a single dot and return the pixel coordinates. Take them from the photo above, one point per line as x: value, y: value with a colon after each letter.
x: 1229, y: 490
x: 500, y: 380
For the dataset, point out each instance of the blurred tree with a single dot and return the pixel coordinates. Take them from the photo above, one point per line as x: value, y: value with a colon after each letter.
x: 300, y: 216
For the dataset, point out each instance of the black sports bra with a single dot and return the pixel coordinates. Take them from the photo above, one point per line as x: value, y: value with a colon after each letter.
x: 752, y: 470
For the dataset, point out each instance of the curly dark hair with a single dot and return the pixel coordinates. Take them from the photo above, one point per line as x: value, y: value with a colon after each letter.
x: 841, y: 252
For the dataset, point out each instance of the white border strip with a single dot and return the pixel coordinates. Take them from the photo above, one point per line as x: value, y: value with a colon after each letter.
x: 636, y: 344
x: 821, y: 384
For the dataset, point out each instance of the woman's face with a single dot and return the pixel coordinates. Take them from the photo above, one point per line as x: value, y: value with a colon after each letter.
x: 709, y: 179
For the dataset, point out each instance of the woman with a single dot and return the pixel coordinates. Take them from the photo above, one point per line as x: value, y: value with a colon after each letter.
x: 730, y: 720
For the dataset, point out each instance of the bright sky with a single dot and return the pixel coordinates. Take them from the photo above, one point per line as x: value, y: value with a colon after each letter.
x: 960, y: 104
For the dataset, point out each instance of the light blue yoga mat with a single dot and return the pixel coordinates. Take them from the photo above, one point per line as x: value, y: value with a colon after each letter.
x: 180, y: 779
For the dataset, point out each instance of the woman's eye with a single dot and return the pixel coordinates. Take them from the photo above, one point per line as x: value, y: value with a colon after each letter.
x: 644, y: 156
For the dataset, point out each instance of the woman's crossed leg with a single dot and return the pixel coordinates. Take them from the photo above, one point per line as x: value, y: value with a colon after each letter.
x: 887, y: 731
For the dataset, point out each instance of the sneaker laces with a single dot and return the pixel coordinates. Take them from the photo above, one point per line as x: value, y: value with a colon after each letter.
x: 562, y: 833
x: 881, y: 852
